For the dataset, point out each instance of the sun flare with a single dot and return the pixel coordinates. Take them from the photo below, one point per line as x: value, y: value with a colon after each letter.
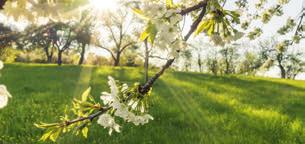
x: 104, y: 5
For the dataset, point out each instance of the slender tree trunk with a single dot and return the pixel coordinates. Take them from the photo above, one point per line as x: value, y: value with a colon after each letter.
x: 82, y: 55
x: 117, y: 60
x: 282, y: 69
x: 146, y: 63
x: 49, y: 59
x: 48, y: 55
x: 283, y: 72
x: 59, y: 59
x: 199, y: 63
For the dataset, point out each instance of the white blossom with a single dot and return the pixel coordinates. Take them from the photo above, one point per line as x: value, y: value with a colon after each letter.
x: 121, y: 109
x: 4, y: 95
x: 1, y: 65
x: 107, y: 121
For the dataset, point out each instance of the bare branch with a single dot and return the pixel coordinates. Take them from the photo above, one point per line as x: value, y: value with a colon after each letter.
x: 200, y: 5
x: 196, y: 23
x: 102, y: 47
x: 127, y: 45
x: 91, y: 117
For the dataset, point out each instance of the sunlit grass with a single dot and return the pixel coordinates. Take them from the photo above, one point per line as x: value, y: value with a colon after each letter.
x: 188, y: 107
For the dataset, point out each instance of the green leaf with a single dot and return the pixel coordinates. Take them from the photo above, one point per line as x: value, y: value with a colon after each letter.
x: 149, y: 33
x: 85, y: 132
x: 211, y: 29
x: 45, y: 136
x: 202, y: 26
x: 144, y: 35
x: 85, y: 94
x: 169, y: 4
x: 140, y: 13
x: 55, y: 135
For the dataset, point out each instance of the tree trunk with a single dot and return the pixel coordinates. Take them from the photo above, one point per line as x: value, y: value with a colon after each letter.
x: 49, y: 59
x: 48, y: 55
x: 82, y: 55
x: 283, y: 72
x: 199, y: 63
x: 279, y: 60
x: 117, y: 60
x: 59, y: 59
x: 146, y: 63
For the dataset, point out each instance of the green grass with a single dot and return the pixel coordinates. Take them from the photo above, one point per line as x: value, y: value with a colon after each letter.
x: 187, y: 107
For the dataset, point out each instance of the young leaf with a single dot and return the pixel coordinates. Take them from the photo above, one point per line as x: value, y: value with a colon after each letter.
x: 55, y: 135
x: 45, y: 136
x: 169, y: 4
x: 85, y: 132
x: 203, y: 26
x: 149, y: 33
x: 85, y: 95
x: 140, y: 13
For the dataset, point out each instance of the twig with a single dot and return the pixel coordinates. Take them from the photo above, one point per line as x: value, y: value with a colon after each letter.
x: 201, y: 4
x: 91, y: 117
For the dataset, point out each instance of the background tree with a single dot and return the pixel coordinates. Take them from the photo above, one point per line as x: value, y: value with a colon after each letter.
x: 7, y: 38
x: 41, y: 37
x: 294, y: 65
x: 229, y: 56
x: 117, y: 35
x: 63, y: 39
x: 83, y: 32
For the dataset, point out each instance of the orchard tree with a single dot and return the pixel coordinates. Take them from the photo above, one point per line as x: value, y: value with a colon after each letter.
x: 273, y: 53
x: 43, y: 37
x: 249, y: 64
x: 229, y: 56
x: 294, y: 65
x: 162, y: 29
x: 7, y: 37
x: 116, y: 28
x: 63, y: 39
x: 83, y: 32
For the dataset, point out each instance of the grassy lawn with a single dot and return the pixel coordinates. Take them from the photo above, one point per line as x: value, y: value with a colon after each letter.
x: 187, y: 107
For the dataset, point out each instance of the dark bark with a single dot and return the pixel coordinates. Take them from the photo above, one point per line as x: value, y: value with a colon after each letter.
x: 117, y: 59
x: 147, y: 86
x: 49, y: 53
x: 280, y: 65
x: 283, y: 72
x: 59, y: 59
x: 201, y: 4
x: 196, y: 23
x: 82, y: 54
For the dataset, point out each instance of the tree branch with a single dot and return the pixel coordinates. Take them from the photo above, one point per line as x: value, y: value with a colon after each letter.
x: 90, y: 117
x: 147, y: 86
x: 127, y: 45
x: 112, y: 55
x: 113, y: 36
x: 196, y: 23
x: 201, y: 4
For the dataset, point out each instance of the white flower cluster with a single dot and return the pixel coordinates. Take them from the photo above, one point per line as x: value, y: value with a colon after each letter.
x: 4, y: 94
x: 34, y: 11
x: 121, y: 109
x: 166, y: 22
